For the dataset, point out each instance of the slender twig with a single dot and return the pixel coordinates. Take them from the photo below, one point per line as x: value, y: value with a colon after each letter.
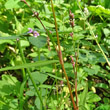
x: 60, y: 57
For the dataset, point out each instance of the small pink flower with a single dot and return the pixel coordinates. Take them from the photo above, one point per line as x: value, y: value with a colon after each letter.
x: 30, y: 30
x: 71, y: 58
x: 35, y: 34
x: 72, y: 61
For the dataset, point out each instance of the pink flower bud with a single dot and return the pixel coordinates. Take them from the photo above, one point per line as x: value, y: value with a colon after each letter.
x: 72, y: 23
x: 36, y: 14
x: 71, y: 34
x: 30, y: 30
x: 72, y: 61
x: 71, y: 15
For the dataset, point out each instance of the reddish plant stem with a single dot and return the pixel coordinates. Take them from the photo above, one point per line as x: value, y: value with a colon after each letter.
x: 58, y: 51
x: 41, y: 23
x: 60, y: 58
x: 26, y: 4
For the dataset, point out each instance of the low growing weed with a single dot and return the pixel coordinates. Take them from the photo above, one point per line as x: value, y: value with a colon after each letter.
x: 54, y: 55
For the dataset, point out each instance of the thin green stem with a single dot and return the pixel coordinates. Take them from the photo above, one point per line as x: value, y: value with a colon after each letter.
x: 76, y: 55
x: 21, y: 53
x: 98, y: 44
x: 29, y: 73
x: 39, y: 54
x: 24, y: 74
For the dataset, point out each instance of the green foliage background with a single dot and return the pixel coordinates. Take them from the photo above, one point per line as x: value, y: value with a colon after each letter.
x: 17, y: 91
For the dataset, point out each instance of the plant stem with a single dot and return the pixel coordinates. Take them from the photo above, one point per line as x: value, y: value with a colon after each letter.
x: 76, y: 81
x: 29, y: 73
x: 98, y: 44
x: 60, y: 57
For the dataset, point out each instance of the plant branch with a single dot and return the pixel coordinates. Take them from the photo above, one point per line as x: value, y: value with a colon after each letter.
x: 76, y: 80
x: 60, y: 57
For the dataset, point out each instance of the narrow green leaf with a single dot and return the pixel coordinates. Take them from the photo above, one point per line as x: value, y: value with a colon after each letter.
x: 61, y: 79
x: 10, y: 38
x: 102, y: 85
x: 21, y: 95
x: 46, y: 86
x: 83, y: 96
x: 29, y: 65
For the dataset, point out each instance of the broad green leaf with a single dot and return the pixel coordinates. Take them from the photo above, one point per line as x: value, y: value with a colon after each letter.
x: 92, y: 97
x: 30, y: 93
x: 78, y: 36
x: 9, y: 79
x: 102, y: 85
x: 39, y: 42
x: 19, y: 26
x: 89, y: 71
x: 10, y: 4
x: 99, y: 10
x: 47, y: 24
x: 29, y: 65
x: 5, y: 88
x: 9, y: 84
x: 78, y: 29
x: 24, y: 43
x: 106, y: 31
x: 37, y: 103
x: 106, y: 100
x: 14, y: 104
x: 103, y: 107
x: 38, y: 77
x: 42, y: 57
x: 47, y: 68
x: 38, y: 24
